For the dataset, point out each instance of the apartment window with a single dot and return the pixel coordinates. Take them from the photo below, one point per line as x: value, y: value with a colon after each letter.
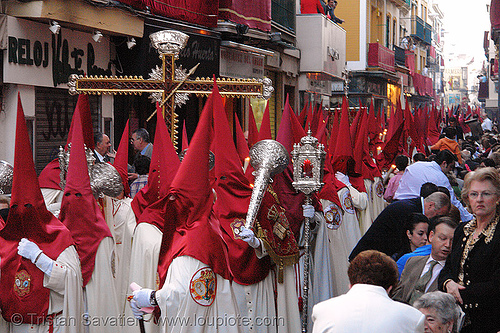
x: 394, y: 25
x: 388, y: 31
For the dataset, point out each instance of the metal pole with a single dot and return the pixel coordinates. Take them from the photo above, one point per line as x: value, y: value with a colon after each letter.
x: 305, y: 292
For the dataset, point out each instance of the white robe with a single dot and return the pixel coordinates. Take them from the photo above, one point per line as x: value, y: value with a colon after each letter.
x: 143, y: 264
x: 124, y: 225
x: 100, y: 292
x: 65, y: 284
x: 365, y: 223
x: 256, y: 302
x: 360, y: 201
x: 320, y: 278
x: 53, y: 199
x: 378, y: 199
x: 342, y: 240
x: 181, y: 313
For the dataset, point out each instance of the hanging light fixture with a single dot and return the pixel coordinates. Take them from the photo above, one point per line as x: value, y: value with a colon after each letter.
x: 54, y: 27
x: 131, y: 42
x: 97, y: 36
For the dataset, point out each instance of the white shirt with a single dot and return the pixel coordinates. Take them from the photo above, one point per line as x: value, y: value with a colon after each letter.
x: 435, y: 271
x: 420, y: 173
x: 99, y: 156
x: 487, y: 125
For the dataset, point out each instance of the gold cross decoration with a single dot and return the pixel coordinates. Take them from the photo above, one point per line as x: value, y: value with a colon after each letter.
x: 170, y: 85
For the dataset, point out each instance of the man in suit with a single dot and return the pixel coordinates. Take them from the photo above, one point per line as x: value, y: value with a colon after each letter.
x: 143, y: 146
x: 387, y: 232
x: 102, y: 148
x: 367, y: 307
x: 420, y: 273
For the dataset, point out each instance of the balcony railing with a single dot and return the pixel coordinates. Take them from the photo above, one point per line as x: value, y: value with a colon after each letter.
x: 421, y: 30
x: 380, y: 56
x: 283, y: 13
x: 428, y: 33
x: 400, y: 56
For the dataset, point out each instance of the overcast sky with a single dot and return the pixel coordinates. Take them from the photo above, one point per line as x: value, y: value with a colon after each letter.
x: 465, y: 23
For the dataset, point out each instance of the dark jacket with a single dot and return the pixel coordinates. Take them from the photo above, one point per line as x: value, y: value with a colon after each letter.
x: 387, y: 232
x: 481, y: 295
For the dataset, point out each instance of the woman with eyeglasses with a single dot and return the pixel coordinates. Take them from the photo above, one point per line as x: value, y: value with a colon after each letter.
x: 472, y: 271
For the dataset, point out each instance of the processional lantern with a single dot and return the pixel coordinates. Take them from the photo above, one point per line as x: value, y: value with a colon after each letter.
x: 169, y: 85
x: 308, y: 158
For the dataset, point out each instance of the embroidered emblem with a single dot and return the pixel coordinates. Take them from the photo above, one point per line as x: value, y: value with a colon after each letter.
x: 333, y: 217
x: 379, y: 189
x: 22, y: 283
x: 236, y: 226
x: 347, y: 202
x: 277, y: 215
x: 203, y: 286
x: 113, y: 264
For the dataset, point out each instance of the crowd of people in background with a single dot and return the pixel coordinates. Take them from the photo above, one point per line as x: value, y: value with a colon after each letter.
x: 412, y: 248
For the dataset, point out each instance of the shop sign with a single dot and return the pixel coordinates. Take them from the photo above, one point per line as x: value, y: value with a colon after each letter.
x: 37, y: 57
x: 240, y: 64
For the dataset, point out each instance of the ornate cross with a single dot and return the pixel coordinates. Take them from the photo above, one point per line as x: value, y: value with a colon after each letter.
x: 169, y: 85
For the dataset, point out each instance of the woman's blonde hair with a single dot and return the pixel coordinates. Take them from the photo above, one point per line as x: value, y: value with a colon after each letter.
x: 481, y: 174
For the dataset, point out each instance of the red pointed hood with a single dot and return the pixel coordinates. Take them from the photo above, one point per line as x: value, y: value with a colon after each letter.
x: 233, y: 198
x: 163, y: 167
x: 188, y: 209
x: 303, y: 113
x: 253, y: 132
x: 265, y: 126
x: 50, y: 175
x: 28, y: 215
x: 79, y: 209
x: 121, y: 159
x: 432, y: 129
x: 29, y: 218
x: 343, y: 158
x: 315, y: 120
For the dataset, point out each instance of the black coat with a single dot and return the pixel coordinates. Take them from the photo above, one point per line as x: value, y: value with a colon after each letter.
x: 481, y: 295
x: 387, y: 232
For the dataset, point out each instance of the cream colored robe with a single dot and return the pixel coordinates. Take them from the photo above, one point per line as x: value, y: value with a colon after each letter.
x: 256, y: 302
x: 378, y: 198
x: 53, y: 199
x: 343, y: 239
x: 100, y: 292
x: 143, y: 268
x: 124, y: 226
x: 66, y: 295
x: 181, y: 313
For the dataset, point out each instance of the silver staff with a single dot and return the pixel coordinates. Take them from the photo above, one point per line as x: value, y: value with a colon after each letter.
x: 308, y: 158
x: 268, y: 158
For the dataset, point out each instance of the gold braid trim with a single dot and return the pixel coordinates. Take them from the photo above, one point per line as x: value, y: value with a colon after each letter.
x: 280, y: 261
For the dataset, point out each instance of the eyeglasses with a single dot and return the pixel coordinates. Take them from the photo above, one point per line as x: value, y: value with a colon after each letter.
x: 485, y: 195
x: 132, y: 140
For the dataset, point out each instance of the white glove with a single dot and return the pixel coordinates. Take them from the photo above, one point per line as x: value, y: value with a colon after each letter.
x: 142, y: 297
x: 248, y: 236
x: 28, y: 249
x: 342, y: 178
x: 31, y: 251
x: 308, y: 211
x: 136, y: 310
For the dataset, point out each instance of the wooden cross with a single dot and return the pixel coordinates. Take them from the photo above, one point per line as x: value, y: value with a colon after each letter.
x: 170, y: 85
